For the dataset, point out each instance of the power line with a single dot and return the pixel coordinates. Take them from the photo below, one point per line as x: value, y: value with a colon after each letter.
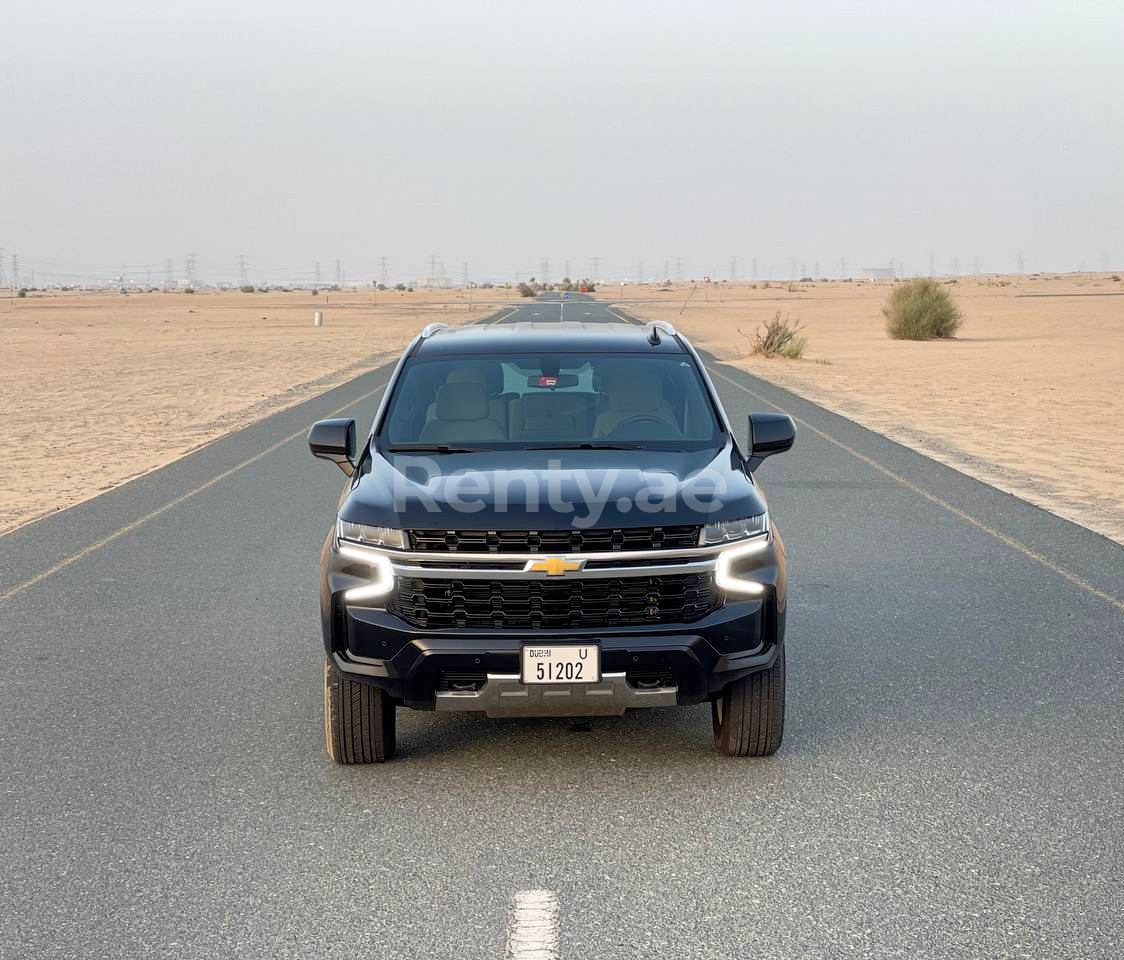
x: 168, y: 274
x: 842, y: 268
x: 678, y: 269
x: 433, y: 270
x: 464, y: 266
x: 189, y: 268
x: 733, y: 269
x: 545, y: 278
x: 382, y: 271
x: 339, y: 274
x: 241, y: 258
x: 640, y: 272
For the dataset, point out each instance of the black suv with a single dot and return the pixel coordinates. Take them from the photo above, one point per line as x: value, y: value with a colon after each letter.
x: 551, y: 522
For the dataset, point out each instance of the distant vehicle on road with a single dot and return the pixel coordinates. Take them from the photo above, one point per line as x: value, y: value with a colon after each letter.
x: 559, y: 524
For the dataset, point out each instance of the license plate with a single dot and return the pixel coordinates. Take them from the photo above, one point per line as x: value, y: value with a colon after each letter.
x: 562, y: 663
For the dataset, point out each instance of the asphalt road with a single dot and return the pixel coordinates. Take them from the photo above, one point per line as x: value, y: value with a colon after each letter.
x: 950, y: 783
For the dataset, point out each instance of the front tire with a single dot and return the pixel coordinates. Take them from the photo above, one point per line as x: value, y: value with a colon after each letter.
x: 359, y: 719
x: 748, y: 716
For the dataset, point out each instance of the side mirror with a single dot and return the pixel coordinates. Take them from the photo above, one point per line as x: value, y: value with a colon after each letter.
x: 334, y: 440
x: 769, y: 433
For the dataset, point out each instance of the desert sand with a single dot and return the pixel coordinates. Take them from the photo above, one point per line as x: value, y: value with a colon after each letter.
x: 1028, y: 397
x: 96, y: 388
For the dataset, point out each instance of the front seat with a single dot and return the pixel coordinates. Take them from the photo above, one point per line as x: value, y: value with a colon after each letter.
x: 491, y: 376
x: 628, y: 395
x: 462, y: 416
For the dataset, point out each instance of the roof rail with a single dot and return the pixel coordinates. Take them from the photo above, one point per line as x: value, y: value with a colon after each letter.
x: 654, y: 329
x: 431, y: 328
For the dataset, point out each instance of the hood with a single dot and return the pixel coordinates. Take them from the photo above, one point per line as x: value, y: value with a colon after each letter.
x: 552, y: 489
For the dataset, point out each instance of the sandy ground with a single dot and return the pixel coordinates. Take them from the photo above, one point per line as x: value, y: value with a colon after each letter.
x: 1029, y: 397
x: 97, y: 388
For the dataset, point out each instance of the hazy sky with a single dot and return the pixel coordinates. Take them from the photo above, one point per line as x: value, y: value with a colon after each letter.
x: 504, y: 133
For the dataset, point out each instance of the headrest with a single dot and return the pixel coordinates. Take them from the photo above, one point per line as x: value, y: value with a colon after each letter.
x: 633, y: 391
x: 462, y: 401
x: 489, y: 374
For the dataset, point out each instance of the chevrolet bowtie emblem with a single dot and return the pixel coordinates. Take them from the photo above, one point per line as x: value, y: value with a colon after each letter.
x: 553, y: 566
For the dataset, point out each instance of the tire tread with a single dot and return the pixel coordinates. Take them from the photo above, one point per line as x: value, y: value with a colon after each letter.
x: 752, y: 712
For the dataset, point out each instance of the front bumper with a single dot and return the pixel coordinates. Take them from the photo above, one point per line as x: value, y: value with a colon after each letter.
x: 700, y: 658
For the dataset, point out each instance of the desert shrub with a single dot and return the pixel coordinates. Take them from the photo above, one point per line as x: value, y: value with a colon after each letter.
x: 526, y: 290
x: 23, y: 292
x: 921, y: 310
x: 1116, y: 277
x: 247, y: 288
x: 188, y: 289
x: 778, y: 337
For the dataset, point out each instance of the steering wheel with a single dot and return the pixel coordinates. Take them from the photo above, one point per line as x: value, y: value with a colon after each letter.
x: 637, y: 418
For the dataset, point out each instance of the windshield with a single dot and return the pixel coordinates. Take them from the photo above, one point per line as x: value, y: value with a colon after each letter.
x: 553, y: 401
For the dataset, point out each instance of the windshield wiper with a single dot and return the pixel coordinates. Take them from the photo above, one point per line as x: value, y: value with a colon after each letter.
x: 432, y: 448
x: 587, y: 445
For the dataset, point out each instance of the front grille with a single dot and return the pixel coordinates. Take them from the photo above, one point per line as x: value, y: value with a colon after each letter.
x: 437, y: 603
x: 555, y: 541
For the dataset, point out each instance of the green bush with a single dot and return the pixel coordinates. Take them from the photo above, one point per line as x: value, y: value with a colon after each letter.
x: 779, y: 337
x: 23, y: 292
x: 921, y: 310
x: 526, y: 290
x: 247, y: 288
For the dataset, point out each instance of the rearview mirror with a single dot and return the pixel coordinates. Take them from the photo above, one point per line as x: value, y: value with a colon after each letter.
x: 334, y: 440
x: 769, y: 433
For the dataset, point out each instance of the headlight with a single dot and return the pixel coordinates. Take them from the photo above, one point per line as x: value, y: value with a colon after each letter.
x: 381, y: 577
x: 724, y: 574
x: 729, y: 530
x: 370, y: 536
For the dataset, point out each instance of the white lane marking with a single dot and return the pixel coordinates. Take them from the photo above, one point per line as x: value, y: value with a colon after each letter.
x: 532, y: 928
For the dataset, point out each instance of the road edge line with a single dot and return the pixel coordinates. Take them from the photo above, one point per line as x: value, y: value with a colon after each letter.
x: 153, y: 514
x: 991, y: 531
